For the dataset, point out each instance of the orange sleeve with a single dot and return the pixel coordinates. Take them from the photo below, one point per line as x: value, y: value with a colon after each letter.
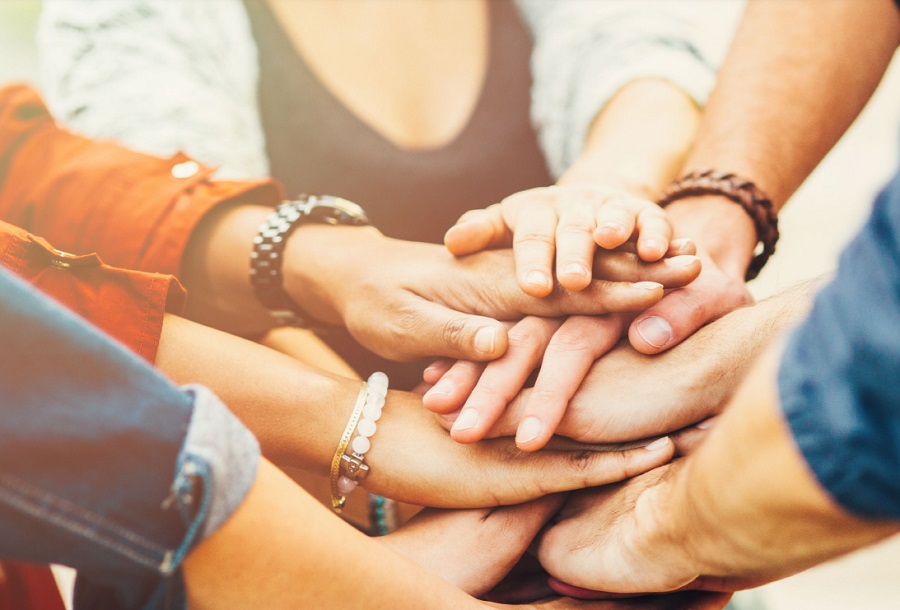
x: 127, y: 305
x: 135, y: 210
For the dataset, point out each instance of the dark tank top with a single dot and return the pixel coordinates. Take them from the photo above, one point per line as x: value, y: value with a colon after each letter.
x: 317, y: 145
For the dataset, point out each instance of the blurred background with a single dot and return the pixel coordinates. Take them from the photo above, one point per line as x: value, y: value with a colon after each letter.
x: 820, y: 219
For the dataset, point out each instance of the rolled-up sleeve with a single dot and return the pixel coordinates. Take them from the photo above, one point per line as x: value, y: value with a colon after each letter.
x: 839, y: 380
x: 104, y: 464
x: 135, y: 210
x: 585, y: 51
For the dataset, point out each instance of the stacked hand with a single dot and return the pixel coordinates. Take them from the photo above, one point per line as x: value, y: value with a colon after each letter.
x: 572, y: 224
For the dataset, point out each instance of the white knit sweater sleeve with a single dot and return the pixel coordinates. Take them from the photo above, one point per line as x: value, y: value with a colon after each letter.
x: 586, y: 50
x: 157, y: 75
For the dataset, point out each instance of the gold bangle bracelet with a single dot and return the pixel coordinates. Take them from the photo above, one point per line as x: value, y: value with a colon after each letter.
x: 337, y: 500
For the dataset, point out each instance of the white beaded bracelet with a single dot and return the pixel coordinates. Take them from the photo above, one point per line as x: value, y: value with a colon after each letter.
x: 352, y: 467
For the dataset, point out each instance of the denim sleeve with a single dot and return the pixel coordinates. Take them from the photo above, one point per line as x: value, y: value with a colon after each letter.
x: 839, y: 380
x: 105, y: 465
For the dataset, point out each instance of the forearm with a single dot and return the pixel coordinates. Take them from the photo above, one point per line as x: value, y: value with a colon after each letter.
x: 639, y: 140
x: 321, y: 562
x: 296, y: 412
x: 771, y: 521
x: 797, y: 75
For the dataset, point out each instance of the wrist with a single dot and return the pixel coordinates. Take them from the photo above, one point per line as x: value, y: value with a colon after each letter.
x: 664, y: 528
x: 594, y: 169
x: 719, y: 226
x: 321, y: 264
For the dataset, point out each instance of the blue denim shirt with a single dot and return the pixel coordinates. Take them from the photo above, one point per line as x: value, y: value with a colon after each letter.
x: 105, y: 466
x: 839, y: 379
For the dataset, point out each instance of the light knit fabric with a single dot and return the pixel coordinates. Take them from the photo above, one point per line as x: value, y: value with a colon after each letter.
x: 169, y: 75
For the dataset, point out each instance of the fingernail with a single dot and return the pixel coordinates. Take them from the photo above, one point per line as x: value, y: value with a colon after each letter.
x: 441, y: 388
x: 655, y: 331
x: 528, y: 430
x: 537, y: 278
x: 485, y: 339
x: 611, y: 227
x: 683, y: 260
x: 657, y: 444
x: 575, y: 269
x: 706, y: 423
x: 466, y: 420
x: 653, y: 244
x: 648, y: 285
x: 680, y: 243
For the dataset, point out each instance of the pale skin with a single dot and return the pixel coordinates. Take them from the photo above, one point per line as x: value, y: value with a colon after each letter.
x: 775, y: 519
x: 299, y: 413
x: 627, y: 395
x: 824, y: 60
x: 823, y: 92
x: 637, y: 144
x: 322, y: 562
x: 439, y: 306
x: 668, y: 530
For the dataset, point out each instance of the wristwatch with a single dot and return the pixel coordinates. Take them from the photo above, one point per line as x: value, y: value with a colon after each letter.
x: 268, y: 246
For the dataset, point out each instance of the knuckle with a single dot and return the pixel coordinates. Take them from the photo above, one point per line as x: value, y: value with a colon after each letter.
x: 575, y: 226
x: 534, y: 238
x: 453, y: 333
x: 523, y: 342
x: 570, y: 342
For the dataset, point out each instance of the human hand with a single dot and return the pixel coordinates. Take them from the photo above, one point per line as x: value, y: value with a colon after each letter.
x: 405, y: 300
x: 414, y: 460
x: 624, y: 396
x: 725, y: 237
x: 474, y: 396
x: 599, y: 541
x: 682, y: 311
x: 565, y: 223
x: 473, y: 549
x: 613, y: 540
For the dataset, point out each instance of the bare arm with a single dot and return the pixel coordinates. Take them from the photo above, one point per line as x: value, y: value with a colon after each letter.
x: 700, y: 525
x: 797, y: 75
x: 320, y: 562
x: 639, y: 140
x: 298, y: 415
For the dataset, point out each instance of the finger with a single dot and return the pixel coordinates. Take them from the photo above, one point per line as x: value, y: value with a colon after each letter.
x: 612, y: 297
x: 544, y: 472
x: 446, y: 420
x: 429, y: 329
x: 571, y: 352
x: 534, y: 244
x: 452, y: 390
x: 615, y: 224
x: 493, y: 540
x: 503, y: 378
x: 575, y: 247
x: 654, y: 232
x: 687, y: 440
x: 672, y: 272
x: 478, y: 230
x: 683, y: 311
x: 434, y: 371
x: 680, y: 246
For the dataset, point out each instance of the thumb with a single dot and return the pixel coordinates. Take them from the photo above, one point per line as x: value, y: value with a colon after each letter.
x: 428, y: 329
x: 478, y: 230
x: 681, y: 312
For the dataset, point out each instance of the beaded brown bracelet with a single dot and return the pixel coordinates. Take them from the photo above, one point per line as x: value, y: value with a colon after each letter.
x: 743, y: 192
